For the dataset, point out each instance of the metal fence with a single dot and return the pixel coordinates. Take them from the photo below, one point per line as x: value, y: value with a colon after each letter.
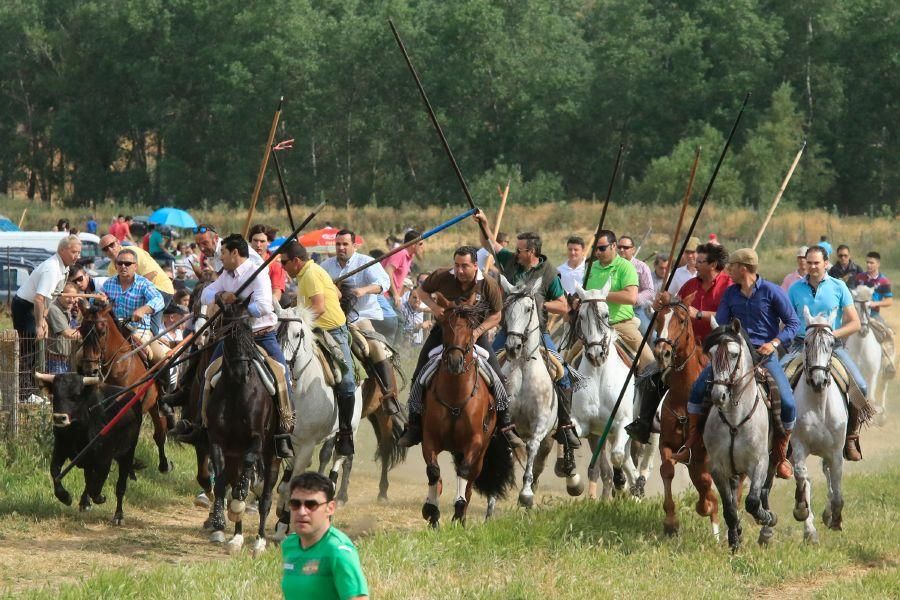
x: 21, y: 399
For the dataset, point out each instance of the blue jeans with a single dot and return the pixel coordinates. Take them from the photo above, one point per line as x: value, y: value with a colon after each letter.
x: 642, y: 314
x: 842, y: 355
x: 342, y: 336
x: 500, y: 343
x: 788, y: 408
x: 57, y: 365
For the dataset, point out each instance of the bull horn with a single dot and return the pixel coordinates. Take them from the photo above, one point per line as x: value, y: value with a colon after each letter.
x: 45, y: 377
x: 90, y: 380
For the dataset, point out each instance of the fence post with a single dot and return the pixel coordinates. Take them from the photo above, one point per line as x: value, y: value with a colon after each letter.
x: 9, y: 380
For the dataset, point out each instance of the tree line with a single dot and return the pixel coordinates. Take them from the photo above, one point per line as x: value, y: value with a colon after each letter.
x: 169, y: 101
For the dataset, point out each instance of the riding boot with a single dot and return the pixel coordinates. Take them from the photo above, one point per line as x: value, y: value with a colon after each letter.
x: 694, y: 439
x: 179, y: 397
x: 195, y: 436
x: 650, y: 390
x: 783, y: 469
x: 283, y: 447
x: 508, y: 429
x: 413, y: 433
x: 565, y: 430
x: 383, y: 375
x: 346, y: 403
x: 852, y: 451
x: 166, y: 411
x: 182, y: 427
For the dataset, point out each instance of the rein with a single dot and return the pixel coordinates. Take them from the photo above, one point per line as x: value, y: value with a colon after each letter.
x: 815, y: 345
x: 674, y: 344
x: 512, y: 299
x: 602, y: 323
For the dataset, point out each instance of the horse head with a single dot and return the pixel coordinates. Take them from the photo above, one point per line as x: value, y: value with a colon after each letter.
x: 673, y: 329
x: 94, y: 329
x: 239, y: 347
x: 295, y: 333
x: 457, y: 323
x: 862, y: 295
x: 732, y: 363
x: 593, y: 325
x: 520, y: 317
x: 818, y: 346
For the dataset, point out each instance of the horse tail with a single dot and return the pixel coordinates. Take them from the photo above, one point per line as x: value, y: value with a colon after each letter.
x: 497, y: 475
x: 388, y: 451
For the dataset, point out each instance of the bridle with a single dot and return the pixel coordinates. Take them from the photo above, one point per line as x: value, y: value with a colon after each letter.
x: 523, y: 335
x: 863, y: 318
x: 815, y: 345
x: 721, y: 363
x: 592, y: 304
x: 283, y: 327
x: 470, y: 313
x: 673, y: 344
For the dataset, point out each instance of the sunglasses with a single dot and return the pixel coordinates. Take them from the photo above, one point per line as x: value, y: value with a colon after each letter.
x: 108, y: 246
x: 204, y: 229
x: 602, y: 248
x: 309, y: 504
x: 124, y: 263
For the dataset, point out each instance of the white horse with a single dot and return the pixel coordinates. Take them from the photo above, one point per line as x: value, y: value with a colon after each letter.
x: 821, y: 426
x: 314, y: 406
x: 737, y: 434
x: 865, y: 351
x: 532, y: 403
x: 606, y: 372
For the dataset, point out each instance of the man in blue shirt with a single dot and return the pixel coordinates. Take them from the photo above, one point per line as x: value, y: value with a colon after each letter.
x: 820, y: 293
x: 761, y: 306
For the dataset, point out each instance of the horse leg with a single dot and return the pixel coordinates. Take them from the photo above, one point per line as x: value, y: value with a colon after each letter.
x: 431, y: 508
x: 757, y: 498
x: 707, y: 503
x: 282, y: 510
x: 239, y: 494
x: 159, y: 437
x: 645, y: 463
x: 667, y: 474
x: 221, y: 483
x: 540, y: 461
x: 621, y: 452
x: 382, y: 424
x: 727, y: 487
x: 526, y: 495
x: 204, y: 476
x: 326, y: 452
x: 265, y: 504
x: 803, y: 491
x: 343, y: 495
x: 833, y: 474
x: 595, y: 473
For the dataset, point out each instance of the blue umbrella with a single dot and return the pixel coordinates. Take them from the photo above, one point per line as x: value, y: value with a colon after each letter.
x: 7, y: 225
x: 174, y: 217
x: 276, y: 243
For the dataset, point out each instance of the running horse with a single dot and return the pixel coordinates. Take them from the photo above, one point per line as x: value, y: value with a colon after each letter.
x: 241, y: 420
x: 460, y: 417
x: 681, y: 359
x: 104, y: 344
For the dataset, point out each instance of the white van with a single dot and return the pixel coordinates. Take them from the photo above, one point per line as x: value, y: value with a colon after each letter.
x: 49, y: 241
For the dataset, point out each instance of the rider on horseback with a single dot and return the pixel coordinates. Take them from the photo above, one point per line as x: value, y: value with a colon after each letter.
x: 363, y: 288
x: 317, y: 291
x: 237, y: 269
x: 527, y: 263
x: 760, y: 306
x: 822, y: 294
x: 458, y: 283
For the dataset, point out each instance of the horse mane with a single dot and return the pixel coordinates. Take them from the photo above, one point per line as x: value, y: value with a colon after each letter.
x: 726, y: 333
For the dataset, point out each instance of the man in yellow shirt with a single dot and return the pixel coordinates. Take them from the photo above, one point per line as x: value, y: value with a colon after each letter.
x: 316, y: 290
x: 146, y: 267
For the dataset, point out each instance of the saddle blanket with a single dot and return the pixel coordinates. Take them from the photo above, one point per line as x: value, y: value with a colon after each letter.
x: 491, y: 378
x: 273, y: 376
x: 845, y: 383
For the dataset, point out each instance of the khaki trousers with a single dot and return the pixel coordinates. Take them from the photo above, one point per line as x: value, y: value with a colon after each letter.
x: 377, y: 351
x: 630, y: 334
x: 156, y: 349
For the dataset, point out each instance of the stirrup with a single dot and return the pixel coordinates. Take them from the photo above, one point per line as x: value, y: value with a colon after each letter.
x: 681, y: 459
x: 512, y: 437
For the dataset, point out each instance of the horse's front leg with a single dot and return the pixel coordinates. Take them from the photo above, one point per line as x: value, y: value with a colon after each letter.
x: 707, y: 503
x: 221, y: 484
x: 265, y: 504
x: 647, y: 451
x: 431, y: 508
x: 727, y: 487
x: 667, y: 474
x: 526, y: 495
x: 803, y: 491
x: 833, y: 467
x: 343, y: 495
x: 620, y: 454
x: 754, y: 503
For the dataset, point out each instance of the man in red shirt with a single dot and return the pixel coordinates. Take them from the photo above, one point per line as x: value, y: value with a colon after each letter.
x: 260, y: 238
x: 707, y: 288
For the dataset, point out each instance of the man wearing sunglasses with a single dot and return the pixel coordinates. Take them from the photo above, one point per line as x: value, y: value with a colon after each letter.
x: 146, y: 268
x: 135, y: 301
x: 320, y: 561
x: 646, y: 291
x: 527, y: 263
x: 210, y: 246
x: 845, y: 269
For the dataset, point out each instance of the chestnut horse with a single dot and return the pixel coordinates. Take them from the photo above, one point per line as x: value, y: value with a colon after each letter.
x: 460, y: 417
x: 103, y: 344
x: 681, y: 359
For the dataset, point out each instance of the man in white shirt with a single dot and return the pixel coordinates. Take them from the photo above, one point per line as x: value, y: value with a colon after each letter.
x: 646, y: 291
x: 32, y: 300
x: 572, y: 271
x: 689, y: 269
x: 660, y: 266
x: 359, y: 302
x: 483, y: 254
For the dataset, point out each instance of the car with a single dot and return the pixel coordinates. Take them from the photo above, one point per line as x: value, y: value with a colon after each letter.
x: 13, y: 273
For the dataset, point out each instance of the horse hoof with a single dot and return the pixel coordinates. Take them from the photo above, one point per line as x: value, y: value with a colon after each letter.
x: 166, y: 467
x: 99, y: 499
x: 217, y: 537
x: 85, y: 507
x: 765, y: 536
x: 526, y: 500
x: 836, y: 525
x: 234, y: 545
x: 117, y: 520
x: 773, y: 519
x: 826, y: 517
x: 559, y: 468
x: 64, y: 497
x: 619, y: 480
x: 811, y: 537
x: 259, y: 546
x: 202, y: 500
x: 237, y: 506
x: 431, y: 513
x: 801, y: 513
x: 638, y: 489
x: 670, y: 530
x: 574, y: 486
x: 383, y: 499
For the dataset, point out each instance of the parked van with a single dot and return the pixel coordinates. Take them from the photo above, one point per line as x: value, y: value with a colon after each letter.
x: 49, y: 241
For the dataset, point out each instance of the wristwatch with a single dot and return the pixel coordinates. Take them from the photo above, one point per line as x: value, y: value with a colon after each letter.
x: 776, y: 343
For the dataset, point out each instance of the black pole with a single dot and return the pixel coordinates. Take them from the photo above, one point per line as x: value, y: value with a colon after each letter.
x: 612, y: 180
x: 440, y: 132
x: 668, y: 282
x: 284, y: 194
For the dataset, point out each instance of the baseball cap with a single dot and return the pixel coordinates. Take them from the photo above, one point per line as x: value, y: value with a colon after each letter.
x: 692, y: 244
x: 744, y: 256
x: 801, y: 251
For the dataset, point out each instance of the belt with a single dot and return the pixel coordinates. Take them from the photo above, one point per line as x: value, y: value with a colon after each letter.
x: 264, y: 331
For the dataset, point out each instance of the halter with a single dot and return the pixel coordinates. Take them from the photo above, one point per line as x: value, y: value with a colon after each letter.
x: 685, y: 326
x: 470, y: 313
x: 863, y: 318
x: 603, y: 344
x: 294, y: 351
x: 815, y: 344
x: 721, y: 363
x: 512, y: 299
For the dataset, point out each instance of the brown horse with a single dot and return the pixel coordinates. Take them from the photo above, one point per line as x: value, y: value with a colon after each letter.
x: 460, y: 417
x: 681, y: 359
x: 104, y: 343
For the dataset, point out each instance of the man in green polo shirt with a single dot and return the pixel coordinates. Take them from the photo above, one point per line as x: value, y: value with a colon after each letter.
x: 623, y: 293
x: 320, y: 561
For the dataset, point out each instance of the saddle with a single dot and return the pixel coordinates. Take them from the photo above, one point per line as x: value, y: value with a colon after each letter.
x: 625, y: 352
x: 273, y: 376
x: 554, y: 365
x: 331, y: 357
x: 845, y: 383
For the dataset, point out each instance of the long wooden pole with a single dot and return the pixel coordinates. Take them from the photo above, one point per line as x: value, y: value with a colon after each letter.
x: 22, y: 218
x: 612, y: 181
x: 262, y: 166
x: 777, y: 199
x: 504, y: 194
x: 684, y: 203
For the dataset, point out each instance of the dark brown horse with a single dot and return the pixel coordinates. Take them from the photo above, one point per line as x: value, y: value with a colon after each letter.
x: 681, y: 359
x: 241, y: 420
x: 104, y: 343
x: 460, y: 417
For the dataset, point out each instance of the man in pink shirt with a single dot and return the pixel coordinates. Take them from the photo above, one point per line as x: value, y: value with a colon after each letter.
x: 792, y: 278
x: 398, y: 265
